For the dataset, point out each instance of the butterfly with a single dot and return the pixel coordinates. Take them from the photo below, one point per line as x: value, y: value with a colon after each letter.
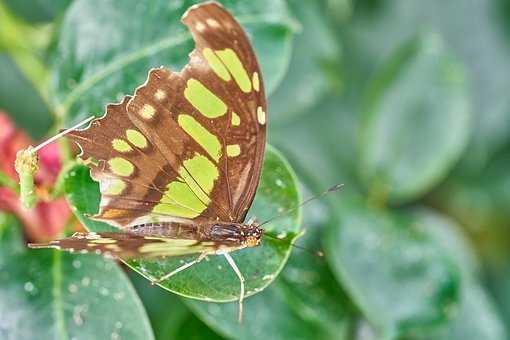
x: 178, y: 163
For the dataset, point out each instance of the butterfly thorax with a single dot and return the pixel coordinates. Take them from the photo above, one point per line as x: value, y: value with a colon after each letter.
x: 248, y: 235
x: 224, y: 234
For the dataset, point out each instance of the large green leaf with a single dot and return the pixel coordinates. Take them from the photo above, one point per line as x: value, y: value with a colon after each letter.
x: 417, y: 120
x: 401, y: 280
x: 305, y: 302
x: 47, y: 294
x: 213, y: 279
x: 20, y: 99
x: 106, y: 49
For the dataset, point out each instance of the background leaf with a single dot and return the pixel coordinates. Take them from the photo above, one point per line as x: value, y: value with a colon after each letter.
x: 19, y: 97
x: 213, y: 279
x: 170, y: 318
x: 416, y: 122
x: 102, y: 56
x: 400, y: 279
x: 374, y: 34
x: 307, y: 80
x: 54, y: 295
x: 475, y: 317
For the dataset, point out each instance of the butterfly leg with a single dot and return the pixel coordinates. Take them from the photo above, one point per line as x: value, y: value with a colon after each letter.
x: 181, y: 268
x: 230, y: 261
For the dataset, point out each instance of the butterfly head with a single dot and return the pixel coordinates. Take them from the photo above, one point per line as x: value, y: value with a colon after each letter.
x: 253, y: 234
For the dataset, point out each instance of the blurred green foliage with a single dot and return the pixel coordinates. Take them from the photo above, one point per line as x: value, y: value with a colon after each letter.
x: 404, y: 101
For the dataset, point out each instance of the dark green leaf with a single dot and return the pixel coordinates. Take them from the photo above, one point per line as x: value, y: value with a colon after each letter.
x: 104, y: 54
x: 19, y: 98
x: 47, y: 294
x: 213, y: 279
x: 193, y: 329
x: 37, y: 11
x: 400, y: 279
x: 416, y: 122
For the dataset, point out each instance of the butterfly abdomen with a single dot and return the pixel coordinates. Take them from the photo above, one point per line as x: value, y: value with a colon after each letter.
x: 223, y: 233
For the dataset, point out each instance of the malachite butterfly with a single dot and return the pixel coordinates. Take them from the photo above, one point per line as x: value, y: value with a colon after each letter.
x: 179, y: 161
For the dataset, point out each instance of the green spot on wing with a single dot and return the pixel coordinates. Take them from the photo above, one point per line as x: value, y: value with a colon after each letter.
x: 236, y: 68
x: 201, y: 135
x: 206, y: 102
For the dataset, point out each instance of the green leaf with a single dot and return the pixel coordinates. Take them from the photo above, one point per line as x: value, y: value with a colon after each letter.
x: 416, y: 122
x: 52, y: 295
x: 38, y: 11
x: 103, y: 54
x: 375, y: 33
x: 170, y: 318
x: 306, y: 80
x: 475, y: 316
x: 399, y: 278
x: 20, y: 99
x: 447, y: 234
x: 213, y: 279
x: 305, y: 301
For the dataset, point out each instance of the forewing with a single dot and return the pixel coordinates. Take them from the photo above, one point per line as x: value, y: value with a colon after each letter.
x: 127, y: 245
x: 187, y: 145
x: 233, y: 73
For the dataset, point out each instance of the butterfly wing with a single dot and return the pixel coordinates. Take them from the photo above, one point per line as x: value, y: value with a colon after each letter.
x: 188, y: 145
x: 128, y: 245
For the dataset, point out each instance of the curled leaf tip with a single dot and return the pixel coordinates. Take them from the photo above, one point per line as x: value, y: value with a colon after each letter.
x: 26, y: 166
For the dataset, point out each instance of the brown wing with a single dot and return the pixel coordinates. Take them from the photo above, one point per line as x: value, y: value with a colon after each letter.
x: 214, y: 29
x: 127, y: 245
x: 187, y: 145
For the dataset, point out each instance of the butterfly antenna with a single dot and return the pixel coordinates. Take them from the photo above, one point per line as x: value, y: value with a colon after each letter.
x: 334, y: 188
x: 60, y: 134
x: 317, y: 253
